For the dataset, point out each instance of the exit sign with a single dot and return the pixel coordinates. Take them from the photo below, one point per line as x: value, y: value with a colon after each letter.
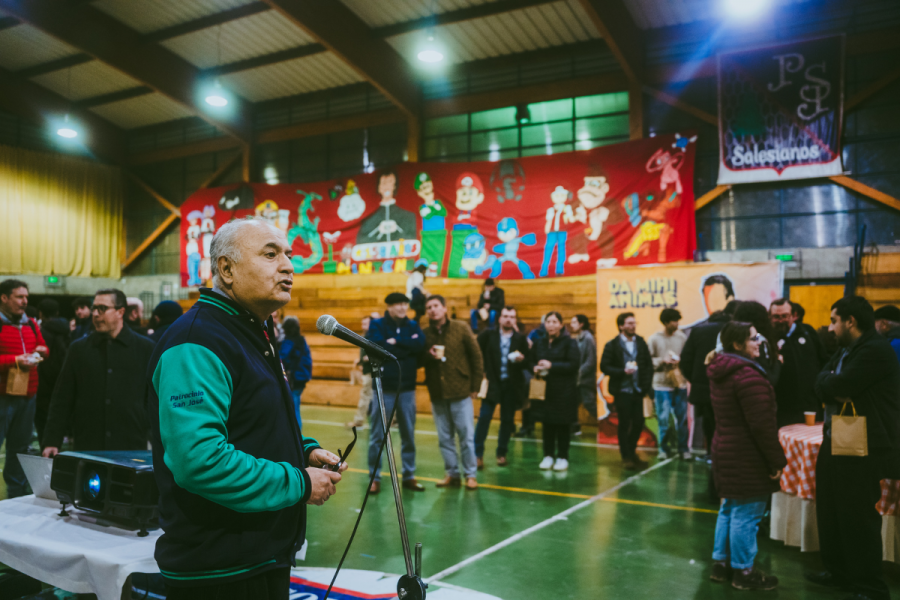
x: 54, y: 281
x: 784, y: 257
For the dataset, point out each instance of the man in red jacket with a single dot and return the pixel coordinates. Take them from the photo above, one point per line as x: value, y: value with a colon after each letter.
x: 20, y: 344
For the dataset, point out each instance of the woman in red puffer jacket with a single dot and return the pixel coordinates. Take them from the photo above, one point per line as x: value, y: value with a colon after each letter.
x: 747, y: 456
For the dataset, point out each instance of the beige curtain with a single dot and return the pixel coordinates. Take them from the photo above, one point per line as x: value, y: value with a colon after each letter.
x: 59, y: 215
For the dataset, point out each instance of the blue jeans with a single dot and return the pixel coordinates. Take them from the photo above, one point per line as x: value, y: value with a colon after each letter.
x: 456, y: 419
x: 507, y: 421
x: 736, y: 530
x: 406, y: 419
x: 557, y: 240
x: 16, y: 423
x: 193, y: 261
x: 473, y: 316
x: 672, y: 403
x: 296, y: 393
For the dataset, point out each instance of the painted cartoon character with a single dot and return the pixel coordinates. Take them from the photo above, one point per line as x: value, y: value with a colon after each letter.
x: 475, y: 255
x: 591, y: 209
x: 330, y: 265
x: 207, y: 232
x: 308, y: 231
x: 434, y: 231
x: 508, y: 232
x: 469, y: 195
x: 352, y: 205
x: 557, y: 215
x: 241, y: 198
x: 390, y: 222
x: 192, y: 248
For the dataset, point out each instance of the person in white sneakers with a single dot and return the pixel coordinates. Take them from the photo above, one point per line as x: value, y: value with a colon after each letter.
x: 669, y: 385
x: 557, y: 359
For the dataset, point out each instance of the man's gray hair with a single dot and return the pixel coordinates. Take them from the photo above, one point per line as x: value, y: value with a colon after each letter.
x: 227, y: 242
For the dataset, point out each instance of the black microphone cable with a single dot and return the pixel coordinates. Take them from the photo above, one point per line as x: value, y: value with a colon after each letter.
x: 387, y: 426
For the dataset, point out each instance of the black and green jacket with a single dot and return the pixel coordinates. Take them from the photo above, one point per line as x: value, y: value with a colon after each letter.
x: 228, y: 454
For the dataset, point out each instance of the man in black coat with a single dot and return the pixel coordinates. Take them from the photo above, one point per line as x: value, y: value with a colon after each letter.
x: 701, y: 341
x: 865, y: 373
x: 626, y: 361
x: 102, y: 387
x: 803, y: 356
x: 505, y: 354
x: 55, y: 331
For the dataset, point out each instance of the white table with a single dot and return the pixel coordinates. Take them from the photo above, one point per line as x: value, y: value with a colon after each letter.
x: 69, y: 553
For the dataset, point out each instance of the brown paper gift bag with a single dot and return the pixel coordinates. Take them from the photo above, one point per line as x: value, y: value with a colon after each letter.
x: 482, y: 393
x: 537, y: 389
x: 848, y: 434
x: 17, y: 381
x: 649, y: 408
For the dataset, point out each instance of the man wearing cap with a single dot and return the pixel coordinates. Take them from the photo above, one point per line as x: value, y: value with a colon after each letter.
x: 402, y: 337
x: 803, y: 357
x: 887, y: 323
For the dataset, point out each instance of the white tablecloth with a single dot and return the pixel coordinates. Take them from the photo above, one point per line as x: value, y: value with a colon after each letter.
x: 794, y: 523
x: 69, y: 553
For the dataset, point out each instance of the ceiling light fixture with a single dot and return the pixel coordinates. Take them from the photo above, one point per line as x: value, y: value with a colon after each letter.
x: 745, y: 8
x: 430, y: 53
x: 216, y: 97
x: 523, y: 115
x: 66, y: 130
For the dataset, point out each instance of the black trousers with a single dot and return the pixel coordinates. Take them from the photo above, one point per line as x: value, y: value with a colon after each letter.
x: 630, y: 408
x: 556, y: 439
x: 270, y: 585
x: 847, y: 490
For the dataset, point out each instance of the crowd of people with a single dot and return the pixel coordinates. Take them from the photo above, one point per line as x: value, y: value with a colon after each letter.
x: 748, y: 371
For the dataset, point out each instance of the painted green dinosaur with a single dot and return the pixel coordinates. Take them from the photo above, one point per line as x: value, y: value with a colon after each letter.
x: 308, y: 231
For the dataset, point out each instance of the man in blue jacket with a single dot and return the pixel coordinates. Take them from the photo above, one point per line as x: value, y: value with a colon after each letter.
x: 234, y: 471
x: 887, y: 323
x: 402, y: 337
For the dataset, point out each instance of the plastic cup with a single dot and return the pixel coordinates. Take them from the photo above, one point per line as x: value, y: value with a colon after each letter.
x: 810, y: 418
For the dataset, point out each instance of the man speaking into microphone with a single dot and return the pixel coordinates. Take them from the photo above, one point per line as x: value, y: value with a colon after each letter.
x: 234, y: 471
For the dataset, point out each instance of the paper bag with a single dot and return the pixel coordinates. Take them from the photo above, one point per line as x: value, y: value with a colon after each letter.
x: 649, y: 408
x: 17, y: 382
x: 482, y: 393
x: 537, y: 389
x: 484, y: 314
x: 848, y: 434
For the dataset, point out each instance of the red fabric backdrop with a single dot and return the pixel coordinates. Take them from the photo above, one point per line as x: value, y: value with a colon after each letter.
x: 541, y: 216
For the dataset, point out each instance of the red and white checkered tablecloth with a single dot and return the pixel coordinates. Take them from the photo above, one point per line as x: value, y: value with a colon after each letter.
x: 801, y: 445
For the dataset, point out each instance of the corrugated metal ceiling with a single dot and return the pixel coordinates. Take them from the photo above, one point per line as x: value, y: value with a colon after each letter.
x: 522, y: 30
x: 24, y: 46
x: 388, y: 12
x: 87, y: 80
x: 298, y: 76
x: 145, y: 16
x: 244, y: 38
x: 143, y: 110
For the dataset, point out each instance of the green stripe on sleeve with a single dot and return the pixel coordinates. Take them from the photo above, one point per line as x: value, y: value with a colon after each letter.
x: 195, y: 390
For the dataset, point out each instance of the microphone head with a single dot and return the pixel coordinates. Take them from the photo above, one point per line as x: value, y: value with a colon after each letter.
x: 326, y: 324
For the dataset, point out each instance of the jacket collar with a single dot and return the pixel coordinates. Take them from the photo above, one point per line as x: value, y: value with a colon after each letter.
x: 217, y: 299
x: 23, y: 320
x: 126, y: 337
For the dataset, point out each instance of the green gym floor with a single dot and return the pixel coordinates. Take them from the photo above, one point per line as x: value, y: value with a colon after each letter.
x: 596, y: 531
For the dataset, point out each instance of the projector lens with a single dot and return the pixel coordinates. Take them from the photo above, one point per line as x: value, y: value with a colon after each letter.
x: 93, y: 485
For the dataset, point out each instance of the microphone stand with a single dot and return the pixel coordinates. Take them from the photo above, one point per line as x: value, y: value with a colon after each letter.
x: 410, y: 586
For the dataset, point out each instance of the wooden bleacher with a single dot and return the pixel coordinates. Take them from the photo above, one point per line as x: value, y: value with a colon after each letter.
x: 350, y: 298
x: 879, y: 282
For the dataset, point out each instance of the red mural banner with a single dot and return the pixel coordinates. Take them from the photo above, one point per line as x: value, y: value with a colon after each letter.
x: 541, y: 216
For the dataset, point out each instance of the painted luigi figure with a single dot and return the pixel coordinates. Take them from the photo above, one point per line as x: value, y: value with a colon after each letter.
x: 434, y: 232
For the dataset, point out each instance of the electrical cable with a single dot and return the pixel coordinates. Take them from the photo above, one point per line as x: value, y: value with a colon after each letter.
x: 387, y: 427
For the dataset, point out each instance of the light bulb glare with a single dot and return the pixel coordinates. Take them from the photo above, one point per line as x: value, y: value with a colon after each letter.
x: 430, y: 56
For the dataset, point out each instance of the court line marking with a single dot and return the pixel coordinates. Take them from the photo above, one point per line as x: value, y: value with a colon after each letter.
x: 563, y: 494
x: 490, y: 437
x: 559, y: 517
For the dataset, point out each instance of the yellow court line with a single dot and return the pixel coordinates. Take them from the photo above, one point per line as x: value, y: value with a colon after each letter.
x: 564, y: 495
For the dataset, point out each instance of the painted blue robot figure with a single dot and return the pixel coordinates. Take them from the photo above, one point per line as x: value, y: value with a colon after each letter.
x: 508, y: 232
x: 475, y: 256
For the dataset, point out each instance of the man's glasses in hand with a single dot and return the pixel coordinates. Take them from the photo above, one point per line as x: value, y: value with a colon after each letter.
x: 343, y: 455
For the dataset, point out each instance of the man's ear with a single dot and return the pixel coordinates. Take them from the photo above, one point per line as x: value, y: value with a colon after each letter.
x: 226, y: 270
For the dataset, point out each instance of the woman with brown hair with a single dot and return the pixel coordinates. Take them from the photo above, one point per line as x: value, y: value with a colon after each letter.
x: 747, y: 456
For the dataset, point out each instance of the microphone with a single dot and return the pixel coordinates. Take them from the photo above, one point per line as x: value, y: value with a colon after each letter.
x: 329, y: 326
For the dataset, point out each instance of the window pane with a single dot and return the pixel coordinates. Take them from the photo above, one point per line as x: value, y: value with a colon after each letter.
x: 602, y: 104
x: 443, y: 146
x: 444, y: 125
x: 495, y: 140
x: 817, y: 199
x: 546, y: 134
x: 545, y: 150
x: 601, y: 127
x: 492, y: 119
x: 494, y: 156
x: 747, y: 200
x: 882, y: 227
x: 820, y: 231
x: 735, y: 234
x: 588, y: 144
x: 541, y: 112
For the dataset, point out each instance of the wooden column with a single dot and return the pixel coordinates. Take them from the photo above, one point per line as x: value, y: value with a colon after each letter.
x: 635, y: 112
x: 413, y: 138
